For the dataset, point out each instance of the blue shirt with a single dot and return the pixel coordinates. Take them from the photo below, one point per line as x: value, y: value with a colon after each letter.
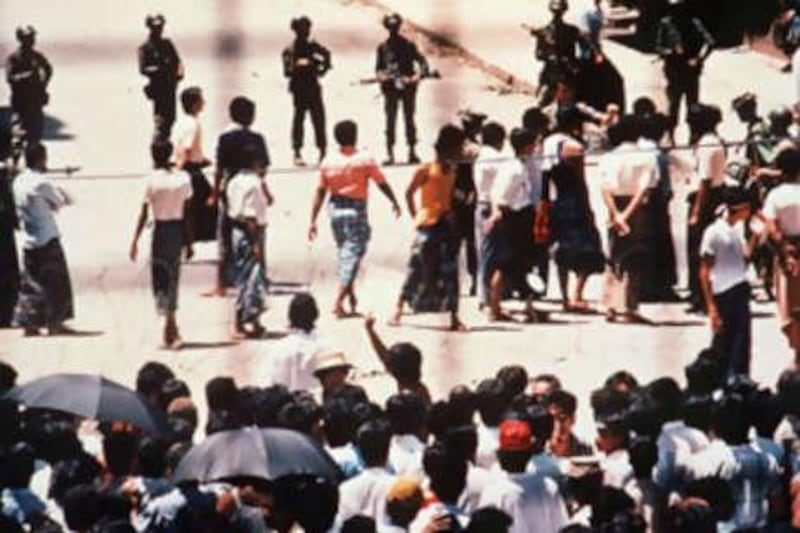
x: 37, y: 200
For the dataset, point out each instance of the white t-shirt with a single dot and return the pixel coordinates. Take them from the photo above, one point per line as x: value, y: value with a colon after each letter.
x: 166, y: 192
x: 486, y: 167
x: 405, y: 456
x: 366, y: 494
x: 488, y: 442
x: 531, y: 500
x: 625, y: 171
x: 188, y: 137
x: 512, y: 186
x: 783, y: 206
x: 290, y: 361
x: 710, y: 158
x: 246, y: 197
x: 726, y: 244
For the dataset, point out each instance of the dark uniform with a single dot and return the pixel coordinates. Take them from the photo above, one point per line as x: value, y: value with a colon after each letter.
x: 9, y: 262
x: 395, y: 64
x: 684, y: 44
x: 304, y: 62
x: 159, y: 61
x: 28, y: 72
x: 559, y: 46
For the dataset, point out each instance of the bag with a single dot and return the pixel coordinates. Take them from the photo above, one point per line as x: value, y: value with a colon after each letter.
x: 542, y: 231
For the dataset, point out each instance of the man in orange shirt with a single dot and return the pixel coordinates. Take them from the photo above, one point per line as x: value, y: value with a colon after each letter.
x: 346, y: 175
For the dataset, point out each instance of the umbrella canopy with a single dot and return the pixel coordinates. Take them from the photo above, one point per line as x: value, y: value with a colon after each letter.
x: 89, y: 396
x: 254, y: 452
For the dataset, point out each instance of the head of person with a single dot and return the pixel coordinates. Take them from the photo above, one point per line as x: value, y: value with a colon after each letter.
x: 608, y: 402
x: 569, y: 121
x: 626, y: 130
x: 36, y: 157
x: 644, y: 107
x: 788, y: 162
x: 183, y: 408
x: 765, y: 413
x: 338, y: 422
x: 303, y: 414
x: 562, y: 405
x: 303, y: 312
x: 268, y: 403
x: 26, y: 36
x: 609, y: 503
x: 120, y: 450
x: 565, y: 91
x: 447, y: 472
x: 301, y: 26
x: 161, y: 153
x: 612, y: 434
x: 623, y: 382
x: 331, y: 368
x: 514, y: 379
x: 151, y: 459
x: 404, y: 501
x: 667, y: 399
x: 542, y: 423
x: 493, y: 134
x: 516, y: 445
x: 463, y: 440
x: 8, y: 377
x: 405, y: 363
x: 392, y: 22
x: 542, y: 385
x: 729, y: 420
x: 221, y: 393
x: 242, y: 111
x: 471, y: 122
x: 171, y: 389
x: 406, y: 414
x: 492, y: 401
x: 746, y: 107
x: 489, y: 519
x: 346, y: 133
x: 291, y: 497
x: 703, y: 119
x: 558, y: 8
x: 359, y: 524
x: 522, y: 141
x: 704, y: 374
x: 463, y: 403
x: 155, y: 24
x: 192, y: 100
x: 738, y: 203
x: 151, y: 378
x: 449, y: 143
x: 372, y: 440
x: 780, y: 119
x: 535, y: 121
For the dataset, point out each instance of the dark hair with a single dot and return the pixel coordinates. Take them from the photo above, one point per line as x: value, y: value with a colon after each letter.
x: 242, y: 110
x: 405, y: 362
x: 363, y: 411
x: 152, y: 458
x: 551, y: 379
x: 654, y: 126
x: 492, y: 401
x: 171, y: 389
x: 644, y: 106
x: 441, y: 419
x: 346, y: 133
x: 622, y: 377
x: 81, y: 470
x: 535, y: 121
x: 446, y: 470
x: 221, y: 420
x: 520, y: 139
x: 514, y: 461
x: 151, y: 377
x: 449, y: 139
x: 303, y: 312
x: 643, y: 456
x: 34, y: 154
x: 692, y: 518
x: 161, y: 152
x: 120, y: 449
x: 338, y: 422
x: 268, y: 404
x: 606, y: 402
x: 221, y: 393
x: 81, y: 505
x: 788, y: 161
x: 717, y: 492
x: 463, y: 402
x: 463, y: 440
x: 703, y: 118
x: 667, y: 397
x: 8, y: 377
x: 292, y: 497
x: 182, y: 430
x: 627, y: 129
x: 566, y: 401
x: 300, y: 415
x: 765, y: 413
x: 493, y: 134
x: 17, y: 465
x: 610, y: 502
x: 697, y: 411
x: 373, y: 439
x: 489, y: 519
x: 190, y: 96
x: 705, y: 373
x: 299, y: 22
x: 625, y: 521
x: 406, y: 413
x: 541, y: 422
x: 359, y: 524
x: 568, y: 119
x: 729, y: 419
x: 514, y: 378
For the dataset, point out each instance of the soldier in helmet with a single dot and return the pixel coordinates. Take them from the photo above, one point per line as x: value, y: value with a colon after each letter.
x: 558, y: 45
x: 683, y: 43
x: 304, y: 62
x: 28, y: 72
x: 159, y: 61
x: 395, y: 67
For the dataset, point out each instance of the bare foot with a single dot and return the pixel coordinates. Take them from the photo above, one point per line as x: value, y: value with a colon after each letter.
x: 500, y: 316
x: 216, y: 292
x: 339, y: 312
x: 457, y: 325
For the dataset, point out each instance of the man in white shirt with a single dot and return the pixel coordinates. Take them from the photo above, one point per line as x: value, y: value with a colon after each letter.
x: 366, y: 493
x: 290, y: 361
x: 532, y: 501
x: 406, y: 413
x: 492, y: 403
x: 724, y: 252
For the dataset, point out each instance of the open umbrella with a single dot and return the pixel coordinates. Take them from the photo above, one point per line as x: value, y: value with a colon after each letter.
x: 89, y: 396
x: 258, y: 453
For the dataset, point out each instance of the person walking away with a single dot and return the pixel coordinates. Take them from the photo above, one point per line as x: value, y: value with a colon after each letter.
x: 399, y: 66
x: 628, y: 176
x: 166, y: 195
x: 248, y: 198
x: 683, y: 43
x: 28, y: 73
x: 45, y: 298
x: 230, y: 147
x: 346, y: 175
x: 432, y: 281
x: 160, y: 63
x: 304, y: 62
x: 782, y: 213
x: 724, y: 252
x: 189, y: 156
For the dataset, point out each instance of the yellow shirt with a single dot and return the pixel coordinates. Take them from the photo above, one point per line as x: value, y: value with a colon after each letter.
x: 436, y: 190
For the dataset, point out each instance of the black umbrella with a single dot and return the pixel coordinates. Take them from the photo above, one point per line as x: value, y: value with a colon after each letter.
x: 258, y: 453
x: 89, y: 396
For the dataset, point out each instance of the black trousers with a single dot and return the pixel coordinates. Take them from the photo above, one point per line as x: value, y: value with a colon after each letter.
x: 465, y: 221
x: 28, y: 119
x: 163, y: 112
x: 733, y: 342
x: 682, y: 80
x: 664, y: 272
x: 392, y: 98
x: 309, y: 101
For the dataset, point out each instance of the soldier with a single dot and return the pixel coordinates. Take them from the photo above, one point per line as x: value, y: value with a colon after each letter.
x: 756, y: 148
x: 558, y: 45
x: 304, y: 62
x: 683, y: 44
x: 395, y: 68
x: 28, y: 72
x: 159, y: 61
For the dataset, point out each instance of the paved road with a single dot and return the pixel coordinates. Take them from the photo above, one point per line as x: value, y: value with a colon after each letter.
x: 105, y: 126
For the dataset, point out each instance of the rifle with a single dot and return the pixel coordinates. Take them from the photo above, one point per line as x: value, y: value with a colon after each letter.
x: 68, y: 170
x: 399, y: 82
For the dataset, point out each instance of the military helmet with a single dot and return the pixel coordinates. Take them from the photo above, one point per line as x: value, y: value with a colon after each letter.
x: 743, y: 101
x: 558, y: 6
x: 155, y: 20
x: 392, y: 21
x: 300, y: 22
x: 25, y: 32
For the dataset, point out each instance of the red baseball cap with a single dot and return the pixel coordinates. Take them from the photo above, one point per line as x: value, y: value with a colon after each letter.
x: 515, y: 436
